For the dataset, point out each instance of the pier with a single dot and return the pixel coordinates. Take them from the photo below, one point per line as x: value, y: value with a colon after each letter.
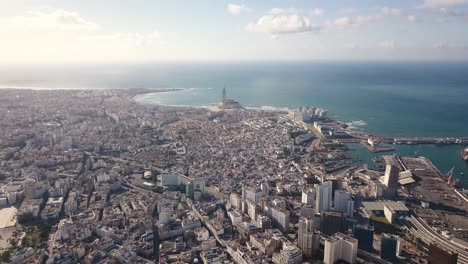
x: 410, y: 140
x: 376, y: 148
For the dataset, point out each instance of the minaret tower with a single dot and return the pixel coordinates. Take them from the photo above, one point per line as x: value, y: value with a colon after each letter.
x: 224, y: 94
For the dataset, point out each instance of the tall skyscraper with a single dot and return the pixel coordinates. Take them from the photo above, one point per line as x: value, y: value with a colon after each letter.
x: 324, y: 197
x: 389, y: 246
x: 344, y: 203
x: 332, y: 222
x: 340, y: 247
x: 365, y: 237
x: 308, y: 239
x: 391, y: 177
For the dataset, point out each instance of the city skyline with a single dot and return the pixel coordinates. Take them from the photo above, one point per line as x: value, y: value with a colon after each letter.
x: 152, y: 31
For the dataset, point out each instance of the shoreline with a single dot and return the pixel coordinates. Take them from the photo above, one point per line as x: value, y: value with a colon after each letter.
x: 351, y: 126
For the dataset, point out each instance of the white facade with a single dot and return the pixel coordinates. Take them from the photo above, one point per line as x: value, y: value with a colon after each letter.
x: 235, y: 217
x: 324, y: 197
x: 235, y: 200
x: 253, y: 194
x: 11, y: 196
x: 280, y: 217
x: 308, y: 197
x: 307, y: 239
x: 199, y: 185
x: 252, y: 210
x: 201, y: 234
x: 169, y: 180
x: 391, y: 176
x: 165, y: 215
x: 290, y: 254
x: 340, y: 247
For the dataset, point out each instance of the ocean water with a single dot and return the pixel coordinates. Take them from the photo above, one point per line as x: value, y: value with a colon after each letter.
x: 389, y: 98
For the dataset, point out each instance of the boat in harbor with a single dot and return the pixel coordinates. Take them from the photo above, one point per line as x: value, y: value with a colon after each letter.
x: 464, y: 154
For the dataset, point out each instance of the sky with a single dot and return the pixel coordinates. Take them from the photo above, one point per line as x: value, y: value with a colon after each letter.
x: 84, y: 31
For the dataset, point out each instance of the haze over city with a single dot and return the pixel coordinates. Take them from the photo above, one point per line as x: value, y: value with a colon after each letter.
x: 147, y: 31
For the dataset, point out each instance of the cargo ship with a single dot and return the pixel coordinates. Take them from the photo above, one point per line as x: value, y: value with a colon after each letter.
x: 464, y: 154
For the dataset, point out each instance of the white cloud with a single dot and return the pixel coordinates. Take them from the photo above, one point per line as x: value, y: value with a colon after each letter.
x: 391, y: 11
x: 57, y: 19
x: 285, y: 11
x: 344, y: 22
x: 450, y: 13
x: 443, y: 2
x: 283, y: 21
x: 412, y: 18
x: 236, y: 9
x: 317, y: 12
x: 389, y: 44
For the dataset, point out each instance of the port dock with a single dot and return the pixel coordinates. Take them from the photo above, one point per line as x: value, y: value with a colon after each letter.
x: 376, y: 148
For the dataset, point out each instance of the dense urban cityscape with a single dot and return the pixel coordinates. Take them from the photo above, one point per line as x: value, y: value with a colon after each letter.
x: 92, y: 176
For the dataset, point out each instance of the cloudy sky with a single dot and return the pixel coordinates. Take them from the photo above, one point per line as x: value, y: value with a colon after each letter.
x: 56, y: 31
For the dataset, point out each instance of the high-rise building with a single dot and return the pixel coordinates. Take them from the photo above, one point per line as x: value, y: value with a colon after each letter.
x: 391, y: 178
x: 332, y: 222
x: 199, y: 185
x: 389, y: 247
x: 340, y: 247
x: 279, y: 217
x: 265, y: 187
x: 308, y: 197
x: 189, y: 190
x: 438, y: 255
x: 252, y: 194
x: 365, y: 237
x: 324, y: 197
x: 290, y: 254
x: 344, y: 203
x: 235, y: 201
x: 307, y: 238
x: 252, y: 210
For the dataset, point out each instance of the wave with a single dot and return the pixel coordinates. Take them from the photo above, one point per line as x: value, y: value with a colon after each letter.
x: 358, y: 124
x: 268, y: 108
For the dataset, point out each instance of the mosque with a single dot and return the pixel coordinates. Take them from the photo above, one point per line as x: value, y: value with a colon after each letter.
x: 227, y: 104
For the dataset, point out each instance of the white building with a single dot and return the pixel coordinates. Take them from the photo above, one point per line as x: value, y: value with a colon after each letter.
x: 290, y: 254
x: 340, y: 247
x: 199, y: 185
x: 165, y: 215
x: 344, y: 203
x: 235, y: 217
x: 279, y: 217
x: 307, y: 239
x: 253, y: 194
x: 169, y: 179
x: 252, y: 210
x: 323, y: 201
x: 235, y: 200
x: 391, y: 177
x: 201, y: 234
x: 308, y: 197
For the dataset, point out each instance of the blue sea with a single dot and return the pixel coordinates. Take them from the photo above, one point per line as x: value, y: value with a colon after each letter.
x: 388, y: 98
